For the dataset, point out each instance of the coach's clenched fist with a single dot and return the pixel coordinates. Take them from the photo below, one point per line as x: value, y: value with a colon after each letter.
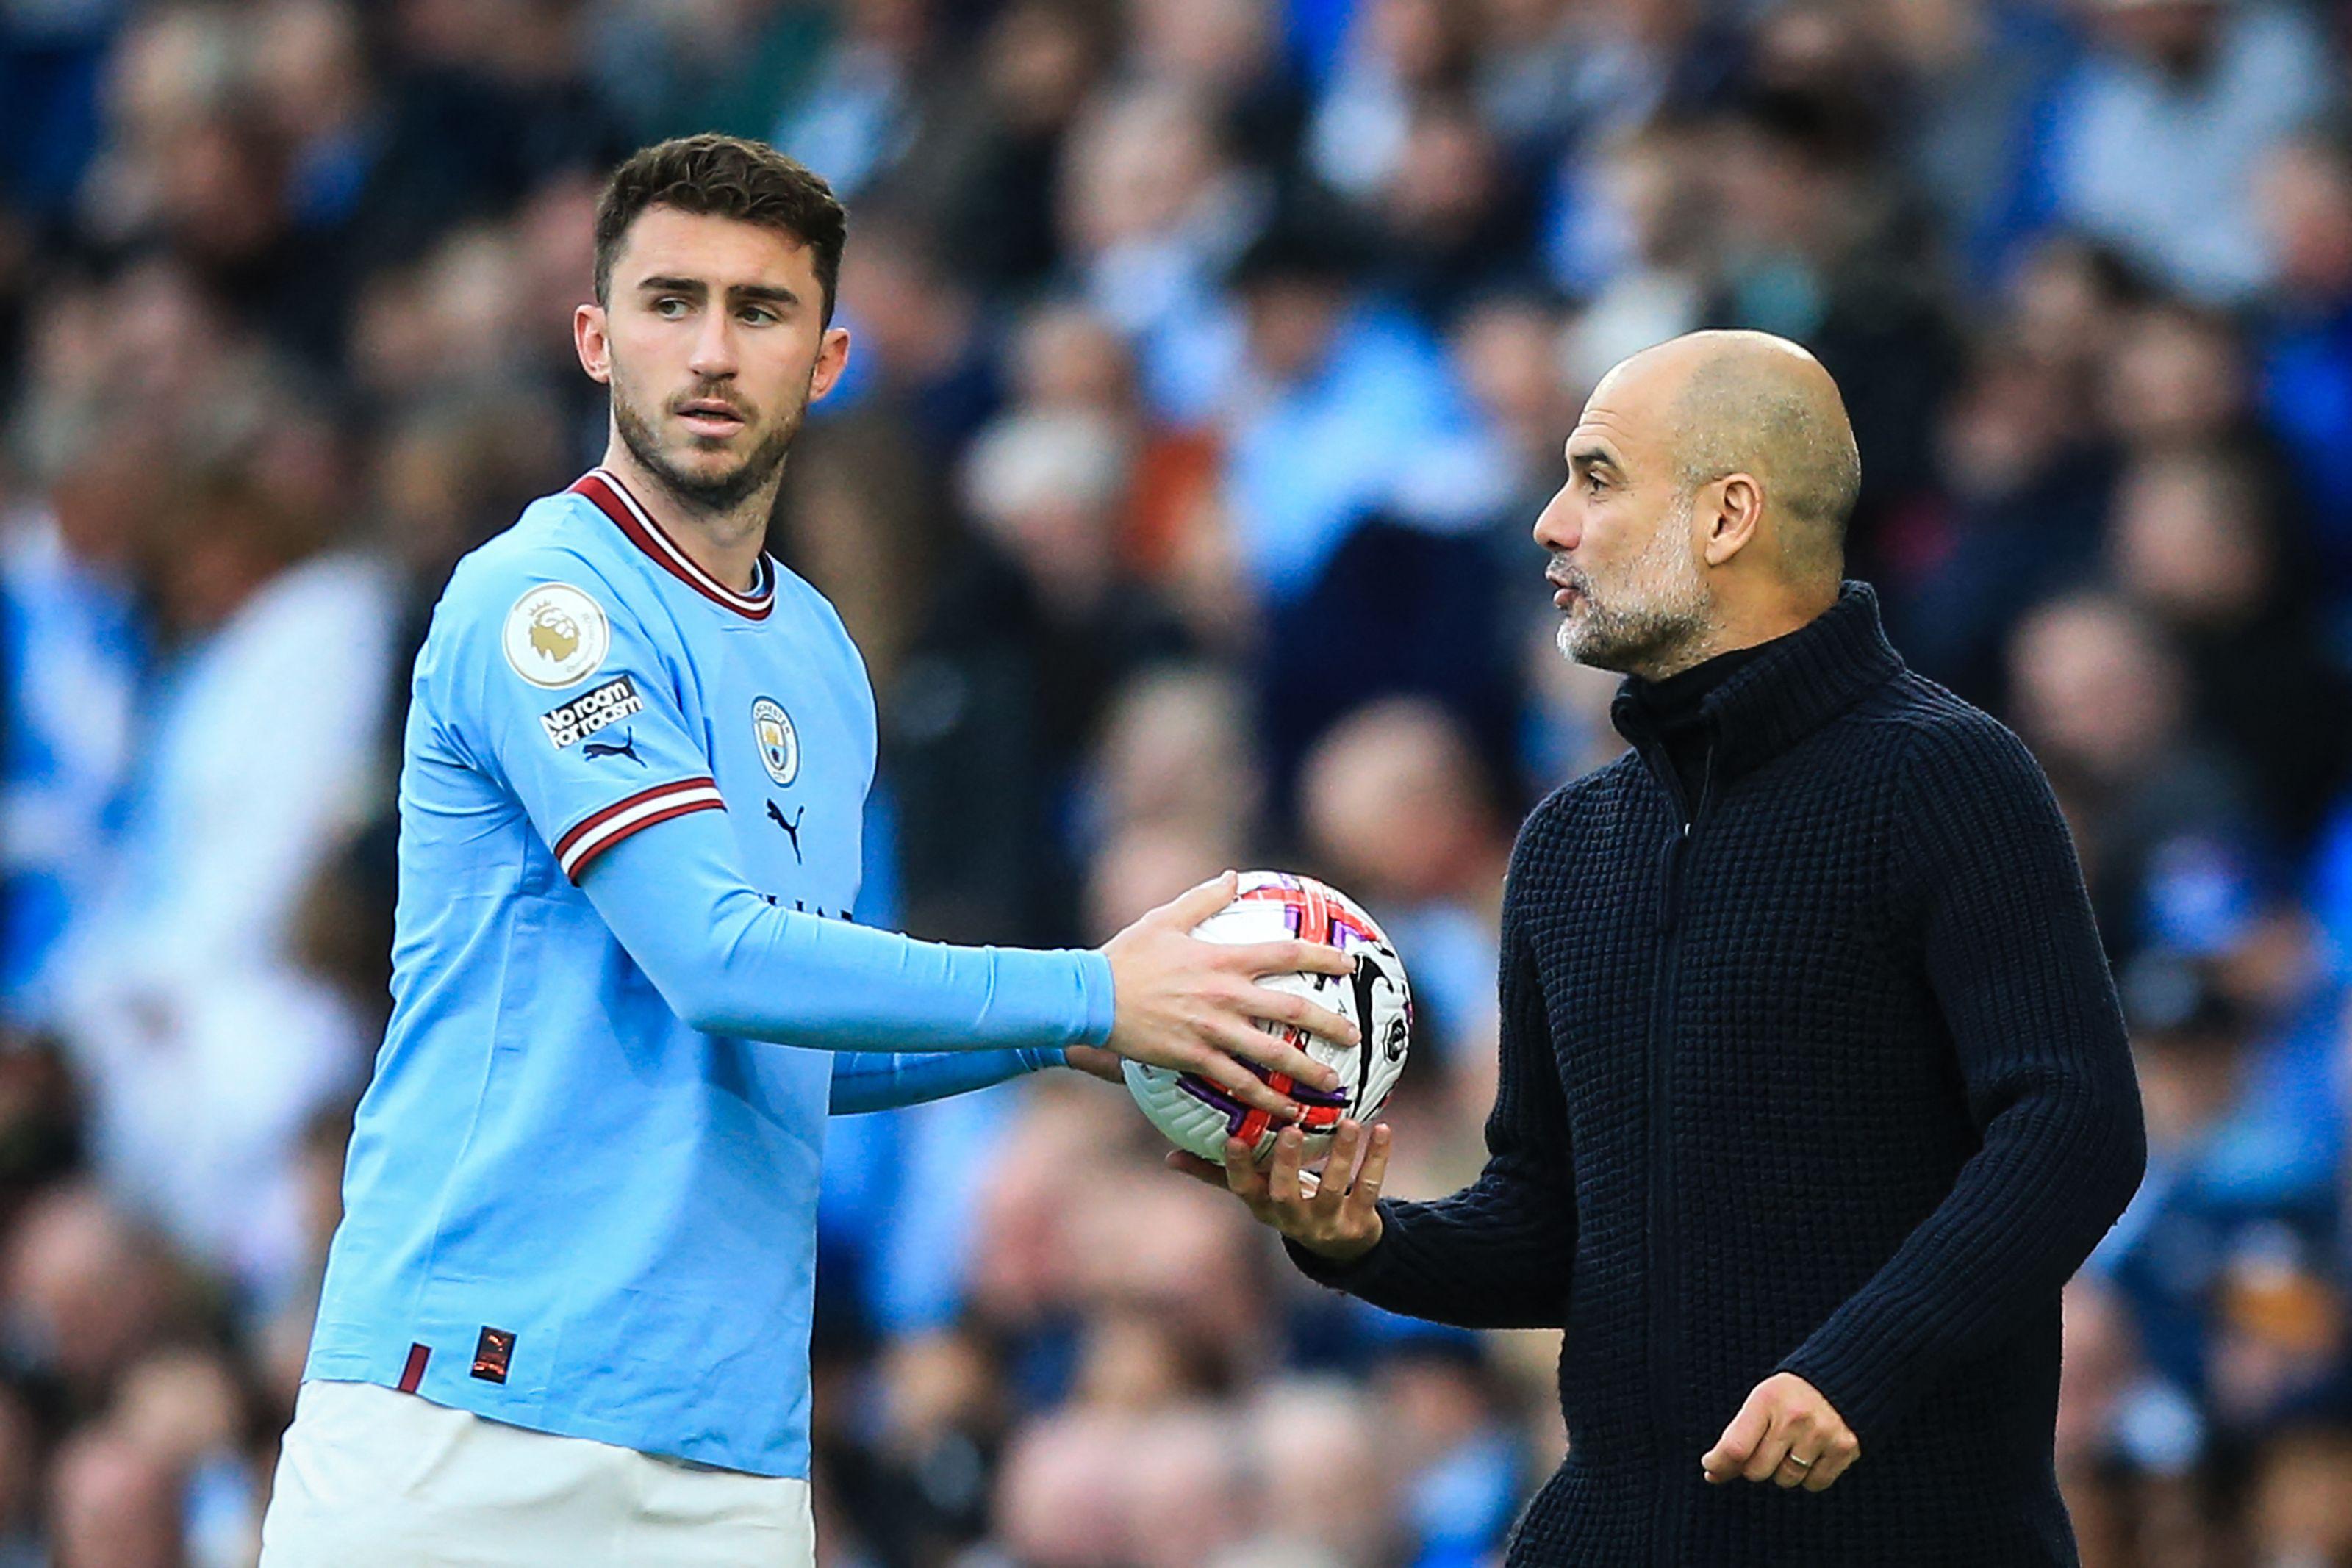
x: 1788, y: 1434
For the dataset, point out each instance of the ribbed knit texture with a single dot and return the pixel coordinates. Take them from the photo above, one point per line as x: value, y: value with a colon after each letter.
x: 1854, y: 1103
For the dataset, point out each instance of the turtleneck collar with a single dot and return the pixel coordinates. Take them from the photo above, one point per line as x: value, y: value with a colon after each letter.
x: 1753, y: 703
x: 1676, y: 701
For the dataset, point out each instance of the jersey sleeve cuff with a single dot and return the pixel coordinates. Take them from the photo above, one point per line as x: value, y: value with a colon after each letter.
x: 600, y: 831
x: 1094, y: 981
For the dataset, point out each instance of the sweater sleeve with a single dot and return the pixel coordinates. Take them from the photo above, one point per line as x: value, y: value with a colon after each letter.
x: 1497, y: 1254
x: 2015, y: 964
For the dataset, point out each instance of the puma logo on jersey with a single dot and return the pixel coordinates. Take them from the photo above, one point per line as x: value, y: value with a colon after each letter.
x: 624, y: 747
x: 791, y: 828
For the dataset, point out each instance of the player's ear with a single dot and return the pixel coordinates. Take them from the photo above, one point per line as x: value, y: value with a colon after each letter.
x: 832, y: 359
x: 594, y: 349
x: 1728, y: 512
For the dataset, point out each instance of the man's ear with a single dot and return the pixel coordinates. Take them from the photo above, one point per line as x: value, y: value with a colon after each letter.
x: 1729, y: 511
x: 832, y: 359
x: 588, y: 338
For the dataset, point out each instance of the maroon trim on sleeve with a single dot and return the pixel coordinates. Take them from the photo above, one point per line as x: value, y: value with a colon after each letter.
x: 600, y: 831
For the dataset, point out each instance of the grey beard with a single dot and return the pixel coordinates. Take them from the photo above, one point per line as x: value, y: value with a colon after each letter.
x: 1651, y: 641
x: 1670, y: 632
x: 712, y: 495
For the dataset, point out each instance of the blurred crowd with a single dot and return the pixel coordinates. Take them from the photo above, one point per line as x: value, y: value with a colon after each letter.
x: 1211, y: 360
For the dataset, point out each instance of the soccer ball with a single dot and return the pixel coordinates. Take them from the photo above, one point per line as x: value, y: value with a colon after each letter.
x: 1199, y: 1115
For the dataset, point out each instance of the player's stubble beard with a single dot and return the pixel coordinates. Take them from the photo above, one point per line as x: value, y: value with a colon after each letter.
x: 712, y: 494
x: 1659, y: 622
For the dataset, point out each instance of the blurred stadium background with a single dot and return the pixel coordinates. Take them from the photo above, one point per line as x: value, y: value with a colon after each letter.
x: 1212, y: 358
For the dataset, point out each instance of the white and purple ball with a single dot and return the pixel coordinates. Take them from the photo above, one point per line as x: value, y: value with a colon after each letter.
x: 1199, y: 1115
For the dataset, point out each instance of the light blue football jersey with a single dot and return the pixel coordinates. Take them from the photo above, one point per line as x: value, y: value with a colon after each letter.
x: 581, y: 1190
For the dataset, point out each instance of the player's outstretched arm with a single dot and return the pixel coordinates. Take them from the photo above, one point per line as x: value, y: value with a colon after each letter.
x: 730, y: 962
x: 871, y: 1080
x: 865, y: 1081
x: 658, y: 864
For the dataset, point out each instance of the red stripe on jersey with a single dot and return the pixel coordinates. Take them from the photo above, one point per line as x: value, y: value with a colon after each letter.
x: 414, y: 1372
x: 598, y: 819
x: 628, y: 513
x: 599, y: 830
x: 588, y: 856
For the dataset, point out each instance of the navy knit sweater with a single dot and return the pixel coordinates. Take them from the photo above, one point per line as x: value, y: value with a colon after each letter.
x: 1820, y: 1072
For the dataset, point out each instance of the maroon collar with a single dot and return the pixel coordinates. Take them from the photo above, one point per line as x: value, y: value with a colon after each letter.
x: 612, y: 497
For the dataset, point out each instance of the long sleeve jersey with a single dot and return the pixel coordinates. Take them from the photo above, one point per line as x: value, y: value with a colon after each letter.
x: 581, y: 1190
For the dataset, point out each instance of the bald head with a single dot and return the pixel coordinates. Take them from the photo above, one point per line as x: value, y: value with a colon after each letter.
x: 1708, y: 483
x: 1751, y: 402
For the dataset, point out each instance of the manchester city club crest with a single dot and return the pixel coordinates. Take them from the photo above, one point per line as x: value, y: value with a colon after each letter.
x: 780, y: 745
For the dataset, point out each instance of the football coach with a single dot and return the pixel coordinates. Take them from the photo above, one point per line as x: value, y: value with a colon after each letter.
x: 1814, y: 1090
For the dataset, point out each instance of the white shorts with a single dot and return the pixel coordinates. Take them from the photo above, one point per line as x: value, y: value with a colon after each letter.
x: 371, y: 1477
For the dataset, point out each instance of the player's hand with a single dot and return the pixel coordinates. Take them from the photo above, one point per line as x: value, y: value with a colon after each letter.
x: 1191, y: 1005
x: 1785, y: 1417
x: 1329, y: 1215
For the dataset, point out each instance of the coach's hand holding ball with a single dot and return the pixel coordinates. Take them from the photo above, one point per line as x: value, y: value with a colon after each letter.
x: 1327, y: 1214
x: 1788, y: 1434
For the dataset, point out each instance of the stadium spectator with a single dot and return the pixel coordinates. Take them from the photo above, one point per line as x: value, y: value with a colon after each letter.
x: 2303, y: 343
x: 2152, y: 141
x: 73, y: 650
x: 1396, y: 807
x: 204, y: 1044
x: 2101, y: 693
x: 2196, y: 543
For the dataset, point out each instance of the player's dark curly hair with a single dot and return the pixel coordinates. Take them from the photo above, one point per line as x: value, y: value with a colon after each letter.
x: 726, y: 177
